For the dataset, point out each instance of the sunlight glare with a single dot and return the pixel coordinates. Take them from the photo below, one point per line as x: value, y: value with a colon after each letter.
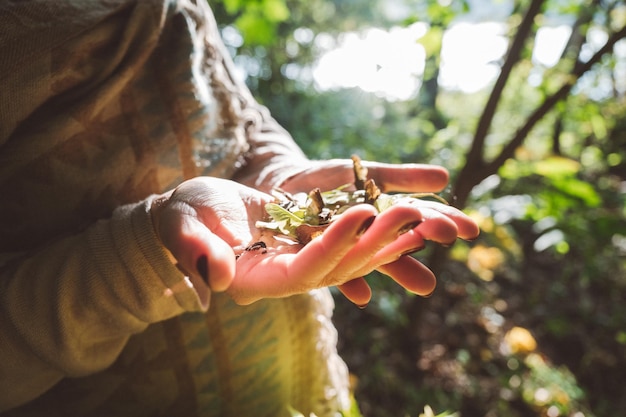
x: 391, y: 63
x: 469, y: 55
x: 388, y: 63
x: 550, y: 43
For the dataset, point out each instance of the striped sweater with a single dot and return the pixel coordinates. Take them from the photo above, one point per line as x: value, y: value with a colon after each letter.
x: 104, y: 104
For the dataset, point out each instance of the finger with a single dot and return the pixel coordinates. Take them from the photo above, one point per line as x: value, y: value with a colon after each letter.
x: 321, y: 256
x: 389, y: 177
x: 408, y: 177
x: 411, y: 274
x: 437, y: 227
x: 409, y: 242
x: 281, y: 273
x: 357, y: 290
x: 199, y: 252
x: 384, y: 230
x: 467, y: 228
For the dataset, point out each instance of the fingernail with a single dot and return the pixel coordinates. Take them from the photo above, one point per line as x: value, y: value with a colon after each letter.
x: 362, y: 306
x: 409, y: 226
x: 366, y: 225
x: 429, y: 294
x: 202, y: 265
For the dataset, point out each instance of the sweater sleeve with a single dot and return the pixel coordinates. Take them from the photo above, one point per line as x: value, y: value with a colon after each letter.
x: 273, y: 155
x: 69, y: 309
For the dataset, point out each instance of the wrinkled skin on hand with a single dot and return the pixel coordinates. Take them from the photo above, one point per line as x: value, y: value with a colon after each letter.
x: 216, y: 218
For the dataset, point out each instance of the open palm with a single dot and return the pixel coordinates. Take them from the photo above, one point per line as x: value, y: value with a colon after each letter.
x: 213, y: 220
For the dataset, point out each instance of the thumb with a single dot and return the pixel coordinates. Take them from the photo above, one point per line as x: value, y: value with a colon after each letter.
x: 200, y: 253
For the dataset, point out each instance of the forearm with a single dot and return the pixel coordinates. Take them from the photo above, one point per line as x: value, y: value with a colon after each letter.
x: 69, y: 309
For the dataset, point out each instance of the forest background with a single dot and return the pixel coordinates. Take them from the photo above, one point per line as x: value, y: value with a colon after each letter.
x: 530, y: 319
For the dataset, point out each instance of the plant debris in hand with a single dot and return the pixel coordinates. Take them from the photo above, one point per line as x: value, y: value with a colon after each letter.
x: 302, y: 217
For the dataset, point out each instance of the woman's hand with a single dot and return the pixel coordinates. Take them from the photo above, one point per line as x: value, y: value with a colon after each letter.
x: 204, y: 223
x: 403, y: 178
x: 442, y: 223
x: 208, y: 225
x: 333, y: 173
x: 357, y: 242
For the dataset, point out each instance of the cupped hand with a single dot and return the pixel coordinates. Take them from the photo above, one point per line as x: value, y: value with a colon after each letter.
x: 441, y: 223
x: 208, y: 225
x: 404, y: 178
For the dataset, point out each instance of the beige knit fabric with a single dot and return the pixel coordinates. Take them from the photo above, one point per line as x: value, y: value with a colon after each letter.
x: 104, y: 104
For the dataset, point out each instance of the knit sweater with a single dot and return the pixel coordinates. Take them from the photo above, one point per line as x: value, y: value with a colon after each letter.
x: 105, y: 104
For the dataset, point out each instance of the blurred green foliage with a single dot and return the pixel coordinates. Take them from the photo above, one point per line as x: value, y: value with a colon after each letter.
x: 257, y: 19
x: 546, y: 180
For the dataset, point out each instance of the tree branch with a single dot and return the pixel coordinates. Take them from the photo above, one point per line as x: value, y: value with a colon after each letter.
x: 547, y: 105
x: 572, y: 49
x: 475, y: 155
x: 474, y: 169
